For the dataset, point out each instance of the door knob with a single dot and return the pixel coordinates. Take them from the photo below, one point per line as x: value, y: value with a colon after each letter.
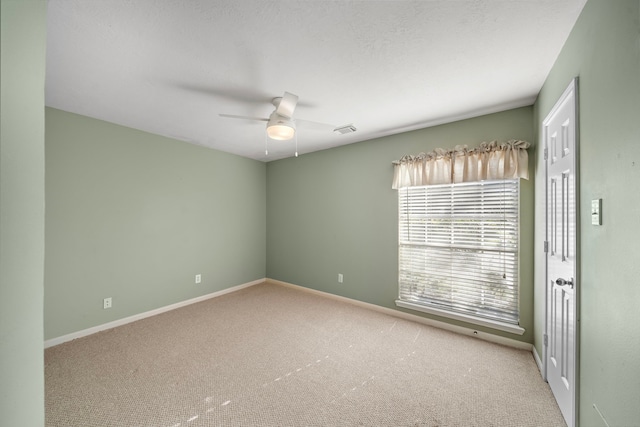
x: 561, y: 282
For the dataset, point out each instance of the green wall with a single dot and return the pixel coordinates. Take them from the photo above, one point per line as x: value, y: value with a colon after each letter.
x: 22, y: 62
x: 334, y: 212
x: 135, y: 216
x: 604, y: 51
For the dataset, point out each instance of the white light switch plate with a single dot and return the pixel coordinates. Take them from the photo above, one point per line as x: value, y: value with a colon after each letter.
x: 596, y: 212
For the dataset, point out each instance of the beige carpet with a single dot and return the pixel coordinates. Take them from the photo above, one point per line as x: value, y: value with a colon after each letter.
x: 274, y: 356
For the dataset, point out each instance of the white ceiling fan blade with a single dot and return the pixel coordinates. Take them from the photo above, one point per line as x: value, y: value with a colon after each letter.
x: 287, y: 105
x: 233, y: 116
x: 308, y: 124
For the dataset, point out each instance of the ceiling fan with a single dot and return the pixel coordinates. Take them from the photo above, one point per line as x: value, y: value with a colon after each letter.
x: 281, y: 125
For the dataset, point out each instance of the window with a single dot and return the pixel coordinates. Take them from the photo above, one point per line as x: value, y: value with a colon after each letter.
x: 458, y: 251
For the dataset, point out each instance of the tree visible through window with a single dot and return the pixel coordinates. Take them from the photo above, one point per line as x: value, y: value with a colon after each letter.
x: 458, y: 248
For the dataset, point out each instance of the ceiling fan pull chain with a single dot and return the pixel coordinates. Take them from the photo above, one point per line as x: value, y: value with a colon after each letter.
x: 296, y: 136
x: 266, y: 151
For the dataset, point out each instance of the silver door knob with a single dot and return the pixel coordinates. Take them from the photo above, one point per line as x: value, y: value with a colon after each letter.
x: 562, y: 282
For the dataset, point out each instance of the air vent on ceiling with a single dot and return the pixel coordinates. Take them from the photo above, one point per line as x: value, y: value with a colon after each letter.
x: 345, y: 129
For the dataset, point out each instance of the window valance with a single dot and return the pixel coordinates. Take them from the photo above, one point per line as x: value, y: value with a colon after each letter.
x: 491, y: 160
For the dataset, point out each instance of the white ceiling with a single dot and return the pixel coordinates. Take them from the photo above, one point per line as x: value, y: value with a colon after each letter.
x: 169, y: 67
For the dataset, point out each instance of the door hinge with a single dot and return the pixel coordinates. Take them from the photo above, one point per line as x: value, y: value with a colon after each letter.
x: 546, y: 153
x: 546, y: 340
x: 546, y: 246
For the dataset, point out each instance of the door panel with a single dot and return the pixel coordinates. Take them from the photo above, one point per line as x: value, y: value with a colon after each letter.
x: 559, y: 130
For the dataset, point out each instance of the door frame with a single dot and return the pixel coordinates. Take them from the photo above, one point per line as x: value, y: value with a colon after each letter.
x: 572, y: 89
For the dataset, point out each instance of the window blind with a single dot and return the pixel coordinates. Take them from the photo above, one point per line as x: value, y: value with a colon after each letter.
x: 458, y: 248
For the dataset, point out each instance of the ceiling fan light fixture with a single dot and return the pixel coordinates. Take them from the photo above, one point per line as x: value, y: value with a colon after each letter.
x: 280, y: 128
x: 280, y: 132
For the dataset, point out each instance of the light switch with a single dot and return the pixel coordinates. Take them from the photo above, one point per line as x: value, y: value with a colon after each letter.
x: 596, y: 212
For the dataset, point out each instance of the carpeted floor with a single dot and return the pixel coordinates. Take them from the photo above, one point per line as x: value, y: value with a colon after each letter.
x: 269, y: 355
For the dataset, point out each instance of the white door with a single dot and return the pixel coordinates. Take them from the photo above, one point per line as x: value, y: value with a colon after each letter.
x: 559, y: 131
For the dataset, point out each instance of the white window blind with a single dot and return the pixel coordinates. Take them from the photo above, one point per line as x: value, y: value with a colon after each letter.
x: 458, y: 248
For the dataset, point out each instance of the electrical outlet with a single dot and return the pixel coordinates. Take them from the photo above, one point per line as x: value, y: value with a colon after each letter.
x: 106, y: 303
x: 198, y: 278
x: 340, y: 278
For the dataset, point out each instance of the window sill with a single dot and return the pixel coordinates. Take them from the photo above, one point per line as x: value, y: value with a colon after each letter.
x: 506, y: 327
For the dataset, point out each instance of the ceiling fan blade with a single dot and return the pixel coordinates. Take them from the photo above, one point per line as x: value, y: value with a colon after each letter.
x: 242, y: 94
x: 308, y: 124
x: 233, y: 116
x: 287, y: 105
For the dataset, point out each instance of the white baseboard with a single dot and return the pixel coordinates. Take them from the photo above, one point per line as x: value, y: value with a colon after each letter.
x: 412, y: 317
x: 407, y: 316
x: 72, y: 336
x: 538, y: 360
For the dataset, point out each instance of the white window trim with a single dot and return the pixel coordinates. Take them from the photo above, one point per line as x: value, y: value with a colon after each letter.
x: 506, y: 327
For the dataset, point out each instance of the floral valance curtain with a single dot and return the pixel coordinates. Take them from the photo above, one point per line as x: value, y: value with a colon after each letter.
x: 491, y: 160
